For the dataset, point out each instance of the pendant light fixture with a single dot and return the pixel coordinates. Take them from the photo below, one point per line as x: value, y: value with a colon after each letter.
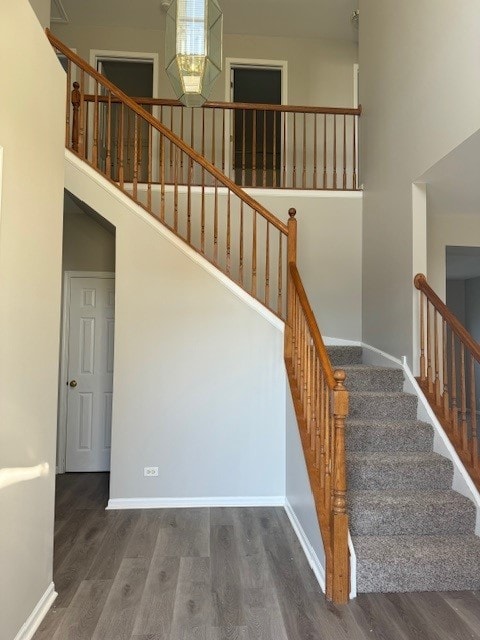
x: 193, y: 48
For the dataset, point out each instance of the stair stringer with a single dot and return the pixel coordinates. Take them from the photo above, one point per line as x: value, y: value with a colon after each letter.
x: 261, y: 479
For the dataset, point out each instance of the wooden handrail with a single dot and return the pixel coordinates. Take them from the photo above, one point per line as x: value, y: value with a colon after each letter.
x: 457, y: 327
x: 313, y: 326
x: 176, y: 140
x: 449, y: 366
x: 241, y: 106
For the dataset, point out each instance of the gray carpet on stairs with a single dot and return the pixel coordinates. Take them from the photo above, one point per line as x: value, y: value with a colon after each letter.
x: 410, y: 530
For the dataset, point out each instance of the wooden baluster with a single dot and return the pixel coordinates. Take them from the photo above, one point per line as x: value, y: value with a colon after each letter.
x: 75, y: 116
x: 254, y: 255
x: 354, y: 181
x: 121, y: 169
x: 436, y: 360
x: 202, y: 215
x: 291, y: 259
x: 429, y: 352
x: 175, y: 189
x: 171, y: 147
x: 294, y: 152
x: 264, y: 175
x: 244, y: 135
x: 446, y: 398
x: 228, y: 231
x: 324, y: 150
x: 304, y: 171
x: 108, y: 157
x: 149, y: 168
x: 463, y: 399
x: 81, y: 117
x: 223, y: 140
x: 327, y: 496
x: 213, y: 137
x: 339, y: 507
x: 135, y: 156
x: 274, y: 159
x: 320, y: 452
x: 139, y: 149
x: 284, y: 181
x: 68, y: 102
x: 254, y: 149
x: 240, y: 253
x: 189, y: 200
x: 322, y: 432
x: 473, y: 416
x: 192, y: 139
x: 344, y: 152
x: 128, y: 148
x: 334, y: 151
x: 267, y: 267
x: 215, y: 226
x: 423, y: 371
x: 162, y: 178
x: 279, y: 275
x: 203, y: 141
x: 182, y: 108
x: 315, y: 150
x: 454, y: 388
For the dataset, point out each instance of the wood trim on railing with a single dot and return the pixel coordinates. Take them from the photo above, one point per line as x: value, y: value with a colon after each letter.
x: 421, y: 284
x: 179, y: 143
x: 241, y: 106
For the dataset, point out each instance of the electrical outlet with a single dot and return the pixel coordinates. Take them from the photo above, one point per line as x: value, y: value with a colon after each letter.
x: 149, y: 472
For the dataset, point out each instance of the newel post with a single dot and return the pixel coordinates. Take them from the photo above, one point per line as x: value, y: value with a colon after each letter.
x: 339, y: 517
x: 75, y: 115
x: 291, y: 259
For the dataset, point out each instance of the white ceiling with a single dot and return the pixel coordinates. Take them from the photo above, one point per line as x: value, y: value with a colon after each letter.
x: 296, y: 18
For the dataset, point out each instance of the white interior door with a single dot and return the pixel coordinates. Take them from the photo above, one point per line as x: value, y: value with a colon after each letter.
x: 90, y: 373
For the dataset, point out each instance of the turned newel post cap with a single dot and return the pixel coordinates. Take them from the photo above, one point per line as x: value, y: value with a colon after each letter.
x: 76, y: 85
x: 292, y: 212
x: 339, y: 376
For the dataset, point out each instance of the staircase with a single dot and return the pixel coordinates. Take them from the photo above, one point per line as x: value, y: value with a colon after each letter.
x: 410, y: 530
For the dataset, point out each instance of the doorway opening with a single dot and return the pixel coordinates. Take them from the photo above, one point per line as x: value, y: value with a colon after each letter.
x: 257, y: 133
x: 87, y: 352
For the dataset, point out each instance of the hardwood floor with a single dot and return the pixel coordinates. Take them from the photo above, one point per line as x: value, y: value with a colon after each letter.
x: 213, y: 574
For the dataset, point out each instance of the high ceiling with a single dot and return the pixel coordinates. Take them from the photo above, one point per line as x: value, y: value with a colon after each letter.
x: 296, y: 18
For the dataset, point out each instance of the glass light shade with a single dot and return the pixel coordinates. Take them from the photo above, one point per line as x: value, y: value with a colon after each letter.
x: 193, y: 48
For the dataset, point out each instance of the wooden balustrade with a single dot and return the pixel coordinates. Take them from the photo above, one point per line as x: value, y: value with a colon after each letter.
x: 449, y: 374
x: 321, y: 405
x: 262, y: 145
x: 187, y: 193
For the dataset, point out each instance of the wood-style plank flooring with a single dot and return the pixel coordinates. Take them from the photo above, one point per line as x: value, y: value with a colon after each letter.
x: 213, y: 574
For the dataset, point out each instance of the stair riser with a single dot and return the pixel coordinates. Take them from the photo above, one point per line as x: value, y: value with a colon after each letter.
x: 343, y: 356
x: 374, y: 380
x: 399, y: 476
x: 387, y: 407
x: 391, y: 521
x: 406, y: 439
x: 415, y: 576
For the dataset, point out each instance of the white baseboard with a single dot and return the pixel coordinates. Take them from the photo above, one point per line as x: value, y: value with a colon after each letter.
x: 315, y: 564
x: 34, y: 620
x: 340, y: 342
x: 170, y: 503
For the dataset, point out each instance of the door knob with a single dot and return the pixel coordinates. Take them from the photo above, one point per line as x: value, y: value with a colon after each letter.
x: 73, y: 383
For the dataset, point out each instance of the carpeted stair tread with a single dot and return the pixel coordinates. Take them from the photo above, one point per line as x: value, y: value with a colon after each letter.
x: 418, y: 512
x: 384, y: 470
x: 382, y: 405
x: 388, y: 435
x: 417, y: 563
x: 342, y: 356
x: 364, y: 377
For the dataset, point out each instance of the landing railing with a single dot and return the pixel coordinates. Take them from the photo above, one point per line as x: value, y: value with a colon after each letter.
x: 259, y: 145
x: 246, y: 242
x: 449, y: 361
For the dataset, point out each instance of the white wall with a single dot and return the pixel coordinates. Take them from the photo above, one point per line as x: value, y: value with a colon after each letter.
x: 455, y: 298
x: 320, y: 72
x: 199, y: 382
x: 87, y: 245
x: 421, y: 97
x: 329, y: 255
x: 299, y: 495
x: 454, y: 230
x: 32, y: 137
